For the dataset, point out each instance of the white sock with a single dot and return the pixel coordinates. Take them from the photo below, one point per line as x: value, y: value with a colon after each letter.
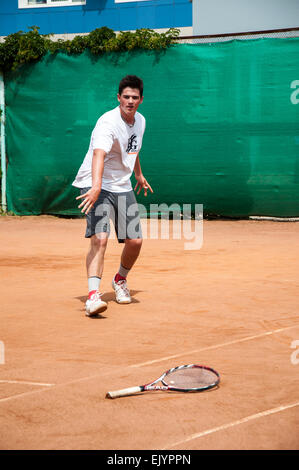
x: 93, y: 283
x: 123, y: 271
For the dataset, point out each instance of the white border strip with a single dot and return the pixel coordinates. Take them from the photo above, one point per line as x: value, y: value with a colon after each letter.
x: 234, y: 423
x: 184, y: 31
x: 3, y: 145
x: 274, y: 219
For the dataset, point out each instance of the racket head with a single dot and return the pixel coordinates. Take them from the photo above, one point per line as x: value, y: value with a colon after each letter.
x: 191, y: 378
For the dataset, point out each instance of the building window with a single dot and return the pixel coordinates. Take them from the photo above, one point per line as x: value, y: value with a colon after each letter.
x: 127, y: 1
x: 49, y: 3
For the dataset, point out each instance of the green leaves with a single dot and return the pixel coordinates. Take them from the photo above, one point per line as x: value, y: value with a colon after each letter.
x: 20, y: 48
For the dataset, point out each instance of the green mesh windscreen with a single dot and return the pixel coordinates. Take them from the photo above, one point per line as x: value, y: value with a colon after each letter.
x: 222, y: 126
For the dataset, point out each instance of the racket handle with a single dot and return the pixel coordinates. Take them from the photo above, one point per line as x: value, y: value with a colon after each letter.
x: 124, y: 392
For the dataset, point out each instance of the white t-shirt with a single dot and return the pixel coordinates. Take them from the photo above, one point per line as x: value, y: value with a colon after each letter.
x: 121, y: 143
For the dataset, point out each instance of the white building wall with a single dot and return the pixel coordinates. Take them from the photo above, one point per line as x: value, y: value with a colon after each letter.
x: 233, y: 16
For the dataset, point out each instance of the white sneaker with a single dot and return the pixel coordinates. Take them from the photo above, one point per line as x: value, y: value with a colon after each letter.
x: 94, y: 304
x: 122, y: 292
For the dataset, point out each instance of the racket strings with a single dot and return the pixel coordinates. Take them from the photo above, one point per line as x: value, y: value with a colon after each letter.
x: 190, y: 378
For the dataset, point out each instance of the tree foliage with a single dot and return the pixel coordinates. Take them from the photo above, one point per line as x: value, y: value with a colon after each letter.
x: 25, y: 47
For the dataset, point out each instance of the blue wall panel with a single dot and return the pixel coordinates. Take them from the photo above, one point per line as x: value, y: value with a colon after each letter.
x: 146, y: 16
x: 8, y: 6
x: 8, y: 23
x: 182, y: 15
x: 96, y: 13
x: 163, y: 12
x: 128, y: 18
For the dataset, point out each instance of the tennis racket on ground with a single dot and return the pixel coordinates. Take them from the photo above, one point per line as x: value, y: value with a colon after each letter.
x: 188, y: 378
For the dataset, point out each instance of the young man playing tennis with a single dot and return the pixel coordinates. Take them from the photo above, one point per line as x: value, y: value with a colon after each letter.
x: 106, y: 190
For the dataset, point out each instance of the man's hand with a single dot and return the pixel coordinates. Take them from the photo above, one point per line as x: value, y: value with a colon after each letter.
x: 89, y: 199
x: 142, y: 184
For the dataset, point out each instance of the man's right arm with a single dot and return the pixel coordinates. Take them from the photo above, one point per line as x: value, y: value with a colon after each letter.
x: 92, y: 195
x: 97, y: 169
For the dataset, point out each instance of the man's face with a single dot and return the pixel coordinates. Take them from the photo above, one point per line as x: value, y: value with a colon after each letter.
x: 129, y: 100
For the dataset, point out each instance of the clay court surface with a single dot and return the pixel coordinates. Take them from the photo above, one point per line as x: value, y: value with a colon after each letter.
x: 232, y: 305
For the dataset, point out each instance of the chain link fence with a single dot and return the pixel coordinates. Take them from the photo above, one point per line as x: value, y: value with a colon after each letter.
x: 277, y: 33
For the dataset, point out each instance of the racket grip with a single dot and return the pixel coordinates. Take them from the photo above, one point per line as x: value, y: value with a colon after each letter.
x: 124, y: 392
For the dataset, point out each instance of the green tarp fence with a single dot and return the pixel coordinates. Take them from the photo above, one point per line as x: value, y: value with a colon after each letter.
x: 222, y: 126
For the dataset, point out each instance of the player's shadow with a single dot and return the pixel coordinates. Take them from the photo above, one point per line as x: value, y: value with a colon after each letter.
x: 109, y: 297
x: 83, y: 300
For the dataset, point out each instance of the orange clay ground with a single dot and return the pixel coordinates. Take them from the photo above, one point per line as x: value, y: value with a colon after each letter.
x: 231, y: 305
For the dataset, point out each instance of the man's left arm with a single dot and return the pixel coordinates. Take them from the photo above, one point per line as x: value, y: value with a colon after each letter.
x: 141, y: 181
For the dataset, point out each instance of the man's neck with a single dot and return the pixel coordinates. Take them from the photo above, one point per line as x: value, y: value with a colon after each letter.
x: 129, y: 121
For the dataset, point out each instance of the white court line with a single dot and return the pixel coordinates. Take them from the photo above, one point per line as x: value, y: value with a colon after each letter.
x: 229, y: 343
x: 234, y: 423
x: 82, y: 379
x: 12, y: 397
x: 21, y: 382
x: 64, y: 384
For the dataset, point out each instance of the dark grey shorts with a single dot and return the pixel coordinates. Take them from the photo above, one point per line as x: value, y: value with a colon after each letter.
x: 121, y: 208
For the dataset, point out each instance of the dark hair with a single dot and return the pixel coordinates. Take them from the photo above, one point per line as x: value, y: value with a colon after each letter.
x: 131, y: 81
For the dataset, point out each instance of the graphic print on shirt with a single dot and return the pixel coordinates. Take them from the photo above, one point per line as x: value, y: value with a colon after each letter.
x: 132, y: 144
